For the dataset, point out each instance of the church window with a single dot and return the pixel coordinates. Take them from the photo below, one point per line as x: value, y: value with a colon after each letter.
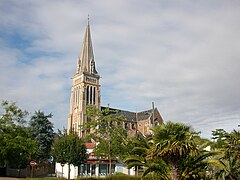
x: 94, y: 95
x: 73, y: 98
x: 91, y: 95
x: 77, y: 96
x: 76, y: 91
x: 126, y: 125
x: 87, y: 95
x: 75, y: 128
x: 133, y: 126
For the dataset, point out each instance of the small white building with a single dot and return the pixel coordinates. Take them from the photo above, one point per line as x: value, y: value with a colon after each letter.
x: 93, y: 167
x: 90, y: 170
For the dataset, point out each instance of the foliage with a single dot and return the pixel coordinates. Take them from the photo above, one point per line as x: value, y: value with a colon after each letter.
x: 42, y: 131
x: 118, y: 176
x: 50, y: 178
x: 113, y: 177
x: 219, y: 136
x: 173, y: 152
x: 228, y: 144
x: 69, y: 148
x: 173, y: 142
x: 106, y: 128
x: 138, y: 158
x: 16, y: 145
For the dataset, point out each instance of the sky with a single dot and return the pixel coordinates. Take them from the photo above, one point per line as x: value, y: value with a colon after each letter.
x: 183, y: 55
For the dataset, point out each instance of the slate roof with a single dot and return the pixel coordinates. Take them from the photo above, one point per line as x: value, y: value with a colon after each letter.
x: 132, y: 116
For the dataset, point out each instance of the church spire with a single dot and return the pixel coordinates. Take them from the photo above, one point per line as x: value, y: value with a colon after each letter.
x: 86, y: 61
x: 85, y: 86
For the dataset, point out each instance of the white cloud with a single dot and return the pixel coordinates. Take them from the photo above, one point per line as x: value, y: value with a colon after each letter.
x: 181, y: 54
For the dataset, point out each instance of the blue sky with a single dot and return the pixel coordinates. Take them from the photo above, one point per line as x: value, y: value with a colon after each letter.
x: 183, y: 55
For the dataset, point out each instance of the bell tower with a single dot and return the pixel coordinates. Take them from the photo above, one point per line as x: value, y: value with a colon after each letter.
x: 85, y: 86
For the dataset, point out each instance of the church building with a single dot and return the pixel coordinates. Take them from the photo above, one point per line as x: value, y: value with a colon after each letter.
x: 86, y: 91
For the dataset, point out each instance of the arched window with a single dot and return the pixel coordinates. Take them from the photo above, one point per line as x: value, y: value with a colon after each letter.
x: 94, y: 95
x: 126, y: 125
x: 77, y: 95
x: 87, y: 95
x: 91, y: 95
x: 73, y: 98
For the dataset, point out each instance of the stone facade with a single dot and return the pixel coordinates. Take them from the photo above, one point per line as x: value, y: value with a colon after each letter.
x: 140, y: 122
x: 85, y: 86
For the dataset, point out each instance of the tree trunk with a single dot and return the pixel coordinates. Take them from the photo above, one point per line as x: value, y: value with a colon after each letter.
x: 230, y: 176
x: 174, y: 173
x: 109, y: 158
x: 69, y: 171
x: 136, y: 170
x: 110, y: 166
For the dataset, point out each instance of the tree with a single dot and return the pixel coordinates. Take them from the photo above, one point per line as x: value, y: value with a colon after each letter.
x: 16, y: 145
x: 42, y: 131
x: 173, y: 152
x: 173, y: 142
x: 228, y: 144
x: 70, y: 149
x: 138, y: 158
x: 106, y: 128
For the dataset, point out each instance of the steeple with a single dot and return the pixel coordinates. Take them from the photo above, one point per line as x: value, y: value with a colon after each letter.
x: 86, y: 61
x: 85, y: 86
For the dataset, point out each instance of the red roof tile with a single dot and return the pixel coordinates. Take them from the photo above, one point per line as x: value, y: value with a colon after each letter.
x: 90, y: 145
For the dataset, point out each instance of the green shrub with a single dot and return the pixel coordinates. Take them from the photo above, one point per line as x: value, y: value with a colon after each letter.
x: 122, y: 176
x: 50, y: 178
x: 117, y: 176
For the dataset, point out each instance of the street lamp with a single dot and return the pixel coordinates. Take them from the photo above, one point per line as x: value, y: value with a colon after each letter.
x: 62, y: 164
x: 82, y: 169
x: 19, y: 166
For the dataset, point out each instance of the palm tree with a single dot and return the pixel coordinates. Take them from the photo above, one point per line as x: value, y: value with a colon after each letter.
x: 200, y: 165
x: 230, y: 169
x: 138, y: 158
x: 229, y: 146
x: 174, y: 152
x: 173, y: 142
